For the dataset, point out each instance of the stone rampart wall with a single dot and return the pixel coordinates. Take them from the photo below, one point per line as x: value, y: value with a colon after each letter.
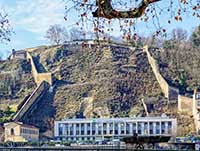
x: 39, y: 77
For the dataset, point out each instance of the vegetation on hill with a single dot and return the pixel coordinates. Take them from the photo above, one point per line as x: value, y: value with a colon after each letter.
x: 107, y: 80
x: 16, y: 81
x: 112, y: 78
x: 179, y: 60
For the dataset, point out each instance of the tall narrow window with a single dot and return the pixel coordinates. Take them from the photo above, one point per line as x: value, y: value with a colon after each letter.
x: 12, y: 131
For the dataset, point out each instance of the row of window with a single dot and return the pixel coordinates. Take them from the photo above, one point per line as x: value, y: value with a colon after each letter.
x: 117, y: 132
x: 140, y: 128
x: 127, y: 125
x: 28, y: 131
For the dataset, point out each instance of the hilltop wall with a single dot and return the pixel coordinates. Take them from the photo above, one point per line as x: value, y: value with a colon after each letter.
x: 185, y: 104
x: 38, y: 77
x: 168, y: 91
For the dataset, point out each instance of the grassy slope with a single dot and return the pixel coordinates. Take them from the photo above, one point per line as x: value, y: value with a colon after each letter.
x: 99, y: 82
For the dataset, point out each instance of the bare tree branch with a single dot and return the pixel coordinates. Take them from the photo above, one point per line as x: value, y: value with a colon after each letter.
x: 5, y: 29
x: 106, y: 10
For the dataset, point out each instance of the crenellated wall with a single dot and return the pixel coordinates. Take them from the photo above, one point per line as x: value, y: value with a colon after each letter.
x: 38, y: 77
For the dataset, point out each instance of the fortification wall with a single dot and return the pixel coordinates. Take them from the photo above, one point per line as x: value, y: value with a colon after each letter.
x: 33, y: 99
x: 39, y: 77
x: 185, y: 104
x: 169, y: 92
x: 44, y: 77
x: 163, y: 84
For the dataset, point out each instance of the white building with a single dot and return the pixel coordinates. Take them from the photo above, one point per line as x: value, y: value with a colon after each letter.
x: 113, y: 128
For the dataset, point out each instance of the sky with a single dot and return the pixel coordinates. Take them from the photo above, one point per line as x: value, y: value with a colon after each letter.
x: 31, y: 18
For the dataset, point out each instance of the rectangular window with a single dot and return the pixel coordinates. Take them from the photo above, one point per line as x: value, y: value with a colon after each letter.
x: 116, y: 129
x: 157, y: 128
x: 104, y: 128
x: 145, y: 128
x: 139, y: 128
x: 162, y: 127
x: 170, y: 127
x: 122, y: 128
x: 77, y: 129
x: 127, y: 128
x: 134, y: 128
x: 88, y: 126
x: 111, y: 128
x: 151, y: 127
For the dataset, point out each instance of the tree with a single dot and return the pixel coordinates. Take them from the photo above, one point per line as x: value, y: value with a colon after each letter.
x: 195, y: 38
x: 102, y: 13
x: 5, y: 28
x: 179, y: 35
x: 76, y: 34
x: 56, y: 34
x: 106, y: 10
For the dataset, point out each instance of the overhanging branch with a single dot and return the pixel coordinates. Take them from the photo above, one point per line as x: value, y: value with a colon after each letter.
x: 106, y: 10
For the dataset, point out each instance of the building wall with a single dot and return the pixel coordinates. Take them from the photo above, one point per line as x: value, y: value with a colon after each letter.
x: 18, y: 136
x: 102, y: 129
x: 185, y: 104
x: 30, y: 136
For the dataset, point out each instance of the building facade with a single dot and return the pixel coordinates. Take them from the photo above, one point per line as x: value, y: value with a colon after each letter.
x: 19, y: 54
x: 113, y: 128
x: 19, y: 132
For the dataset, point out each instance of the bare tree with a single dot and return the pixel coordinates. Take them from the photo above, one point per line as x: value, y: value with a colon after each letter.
x: 5, y: 28
x: 179, y: 35
x: 56, y: 34
x: 106, y: 10
x: 100, y: 14
x: 195, y: 38
x: 76, y: 34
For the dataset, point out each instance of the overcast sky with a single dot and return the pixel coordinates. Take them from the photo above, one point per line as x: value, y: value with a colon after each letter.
x: 31, y: 18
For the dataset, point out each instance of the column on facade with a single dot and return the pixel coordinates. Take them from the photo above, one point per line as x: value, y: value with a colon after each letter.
x: 119, y: 128
x: 96, y: 128
x: 125, y: 128
x: 68, y: 129
x: 131, y: 128
x: 74, y: 129
x: 136, y: 127
x: 64, y: 129
x: 102, y: 135
x: 108, y: 128
x: 160, y: 128
x: 154, y: 128
x: 85, y: 128
x: 91, y: 128
x: 166, y: 128
x: 79, y: 129
x: 142, y: 128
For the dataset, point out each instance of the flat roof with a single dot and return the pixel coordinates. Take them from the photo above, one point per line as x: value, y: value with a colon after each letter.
x: 116, y: 119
